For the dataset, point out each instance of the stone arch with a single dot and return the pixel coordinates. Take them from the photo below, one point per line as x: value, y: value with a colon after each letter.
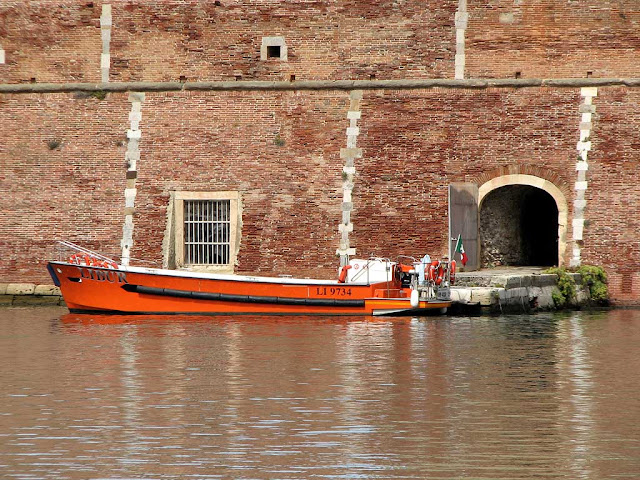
x: 537, y: 182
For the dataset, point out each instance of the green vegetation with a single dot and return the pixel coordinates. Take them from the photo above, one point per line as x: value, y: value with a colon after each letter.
x: 99, y: 94
x: 595, y: 279
x: 565, y: 289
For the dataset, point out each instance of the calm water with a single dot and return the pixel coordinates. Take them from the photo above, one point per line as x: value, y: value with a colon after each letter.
x: 544, y: 396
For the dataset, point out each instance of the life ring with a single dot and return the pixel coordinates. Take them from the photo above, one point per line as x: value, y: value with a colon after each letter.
x: 452, y: 272
x: 436, y: 272
x: 431, y: 272
x: 343, y: 274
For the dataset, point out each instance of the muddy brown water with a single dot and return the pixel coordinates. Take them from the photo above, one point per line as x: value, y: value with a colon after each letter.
x: 532, y: 396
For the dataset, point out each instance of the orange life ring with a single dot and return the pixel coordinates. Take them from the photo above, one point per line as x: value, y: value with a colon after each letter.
x: 452, y: 272
x: 436, y: 272
x: 343, y: 274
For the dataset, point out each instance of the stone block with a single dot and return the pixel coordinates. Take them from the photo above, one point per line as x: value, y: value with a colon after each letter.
x: 105, y: 60
x: 499, y: 281
x: 461, y: 19
x: 20, y: 289
x: 461, y: 295
x: 518, y: 281
x: 46, y: 290
x: 587, y: 108
x: 350, y: 153
x: 579, y: 204
x: 136, y: 98
x: 486, y: 297
x: 3, y: 288
x: 134, y: 134
x: 506, y: 17
x: 582, y: 166
x: 546, y: 280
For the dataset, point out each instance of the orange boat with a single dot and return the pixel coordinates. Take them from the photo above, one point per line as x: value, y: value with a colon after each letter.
x: 90, y: 282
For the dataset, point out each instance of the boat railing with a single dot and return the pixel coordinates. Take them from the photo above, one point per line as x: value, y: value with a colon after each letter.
x: 65, y: 248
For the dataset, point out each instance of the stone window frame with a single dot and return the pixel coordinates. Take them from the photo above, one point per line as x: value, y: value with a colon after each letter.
x: 177, y: 247
x: 273, y: 42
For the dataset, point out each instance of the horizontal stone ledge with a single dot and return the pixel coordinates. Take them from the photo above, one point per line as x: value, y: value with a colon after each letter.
x: 250, y: 85
x: 29, y: 289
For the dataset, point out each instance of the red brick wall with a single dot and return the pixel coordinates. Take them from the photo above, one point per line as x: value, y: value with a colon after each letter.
x: 612, y: 230
x: 415, y: 142
x: 50, y: 41
x: 552, y: 38
x: 57, y: 41
x: 73, y: 191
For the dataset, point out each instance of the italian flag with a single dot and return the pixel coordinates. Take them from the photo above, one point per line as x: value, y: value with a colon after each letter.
x: 460, y: 249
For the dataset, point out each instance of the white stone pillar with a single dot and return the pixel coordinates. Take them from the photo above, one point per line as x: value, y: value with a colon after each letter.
x: 349, y: 155
x: 461, y: 19
x: 132, y: 157
x: 587, y: 109
x: 106, y: 22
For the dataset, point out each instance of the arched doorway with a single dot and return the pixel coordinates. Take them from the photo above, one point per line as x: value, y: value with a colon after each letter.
x: 522, y: 222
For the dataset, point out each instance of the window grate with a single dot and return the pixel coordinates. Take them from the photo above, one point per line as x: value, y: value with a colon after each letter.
x: 207, y: 232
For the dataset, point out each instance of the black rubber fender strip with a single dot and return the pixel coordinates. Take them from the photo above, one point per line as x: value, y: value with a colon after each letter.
x: 227, y: 297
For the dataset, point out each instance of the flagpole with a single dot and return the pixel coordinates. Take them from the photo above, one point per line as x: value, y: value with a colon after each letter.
x: 452, y: 257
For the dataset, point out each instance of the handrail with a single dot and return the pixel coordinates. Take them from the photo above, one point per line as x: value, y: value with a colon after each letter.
x: 85, y: 251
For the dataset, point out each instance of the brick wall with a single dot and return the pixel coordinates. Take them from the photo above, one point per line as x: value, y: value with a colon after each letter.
x: 552, y: 38
x: 62, y: 156
x: 613, y: 197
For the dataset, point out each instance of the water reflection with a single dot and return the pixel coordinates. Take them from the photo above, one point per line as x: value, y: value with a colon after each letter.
x: 542, y: 396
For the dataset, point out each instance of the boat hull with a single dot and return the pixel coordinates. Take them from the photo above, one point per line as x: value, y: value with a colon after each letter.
x: 133, y: 290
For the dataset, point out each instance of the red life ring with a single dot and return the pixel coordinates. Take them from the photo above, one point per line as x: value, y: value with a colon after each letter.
x: 452, y: 272
x: 436, y: 272
x: 343, y: 274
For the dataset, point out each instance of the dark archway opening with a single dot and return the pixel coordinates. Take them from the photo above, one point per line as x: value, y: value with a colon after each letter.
x: 518, y: 227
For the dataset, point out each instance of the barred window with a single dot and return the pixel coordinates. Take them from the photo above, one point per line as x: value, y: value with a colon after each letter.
x: 206, y: 227
x: 207, y: 232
